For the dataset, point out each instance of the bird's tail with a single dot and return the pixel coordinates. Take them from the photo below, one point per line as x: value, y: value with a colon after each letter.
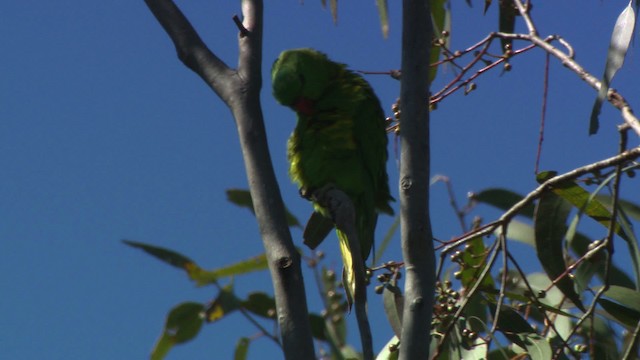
x: 348, y: 272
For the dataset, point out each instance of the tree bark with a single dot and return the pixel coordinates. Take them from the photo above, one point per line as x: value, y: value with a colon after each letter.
x: 240, y: 90
x: 417, y: 245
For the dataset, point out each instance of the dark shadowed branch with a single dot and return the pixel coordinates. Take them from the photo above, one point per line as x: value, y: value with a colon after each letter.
x: 344, y: 216
x: 240, y: 90
x: 417, y: 245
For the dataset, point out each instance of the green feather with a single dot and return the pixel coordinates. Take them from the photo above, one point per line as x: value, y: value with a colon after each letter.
x: 339, y: 139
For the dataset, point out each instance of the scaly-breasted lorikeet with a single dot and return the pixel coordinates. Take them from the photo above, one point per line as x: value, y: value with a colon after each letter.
x: 339, y: 139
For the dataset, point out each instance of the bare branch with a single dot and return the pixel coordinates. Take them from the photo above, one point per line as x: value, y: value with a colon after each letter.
x: 417, y: 244
x: 240, y: 90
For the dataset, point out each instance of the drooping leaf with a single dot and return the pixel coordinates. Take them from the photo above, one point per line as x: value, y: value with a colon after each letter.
x: 242, y: 349
x: 630, y: 208
x: 441, y: 20
x: 392, y: 300
x: 595, y: 264
x: 604, y: 345
x: 169, y: 256
x: 620, y: 40
x: 487, y: 3
x: 625, y: 296
x: 383, y: 12
x: 511, y: 324
x: 520, y: 232
x: 502, y: 199
x: 242, y: 198
x: 196, y: 273
x: 183, y: 324
x: 386, y: 240
x: 620, y: 313
x: 550, y: 228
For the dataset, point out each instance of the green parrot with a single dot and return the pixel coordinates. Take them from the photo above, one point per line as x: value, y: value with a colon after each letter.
x: 339, y: 140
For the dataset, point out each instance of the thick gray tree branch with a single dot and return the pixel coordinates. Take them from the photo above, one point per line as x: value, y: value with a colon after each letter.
x: 417, y: 246
x: 240, y: 90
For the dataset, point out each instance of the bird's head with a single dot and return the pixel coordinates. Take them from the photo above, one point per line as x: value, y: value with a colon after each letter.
x: 299, y: 77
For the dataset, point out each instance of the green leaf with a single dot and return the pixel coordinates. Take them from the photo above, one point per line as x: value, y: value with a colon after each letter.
x: 502, y: 199
x: 383, y: 11
x: 511, y: 324
x: 386, y: 240
x: 392, y: 300
x: 550, y: 228
x: 537, y: 347
x: 620, y: 40
x: 472, y: 261
x: 622, y: 314
x: 225, y: 303
x: 170, y: 257
x: 242, y: 348
x: 625, y: 296
x: 183, y: 324
x: 631, y: 209
x: 260, y: 304
x: 242, y: 198
x: 441, y: 20
x: 204, y: 277
x: 604, y: 345
x: 520, y: 232
x: 582, y: 200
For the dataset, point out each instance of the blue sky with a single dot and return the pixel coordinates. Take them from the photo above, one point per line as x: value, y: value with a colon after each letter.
x: 105, y: 135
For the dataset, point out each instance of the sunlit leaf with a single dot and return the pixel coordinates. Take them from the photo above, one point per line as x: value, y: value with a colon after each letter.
x: 383, y: 12
x: 242, y: 198
x: 520, y: 232
x: 183, y: 324
x: 550, y: 228
x: 203, y: 277
x: 620, y: 40
x: 536, y: 346
x: 582, y: 200
x: 386, y: 353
